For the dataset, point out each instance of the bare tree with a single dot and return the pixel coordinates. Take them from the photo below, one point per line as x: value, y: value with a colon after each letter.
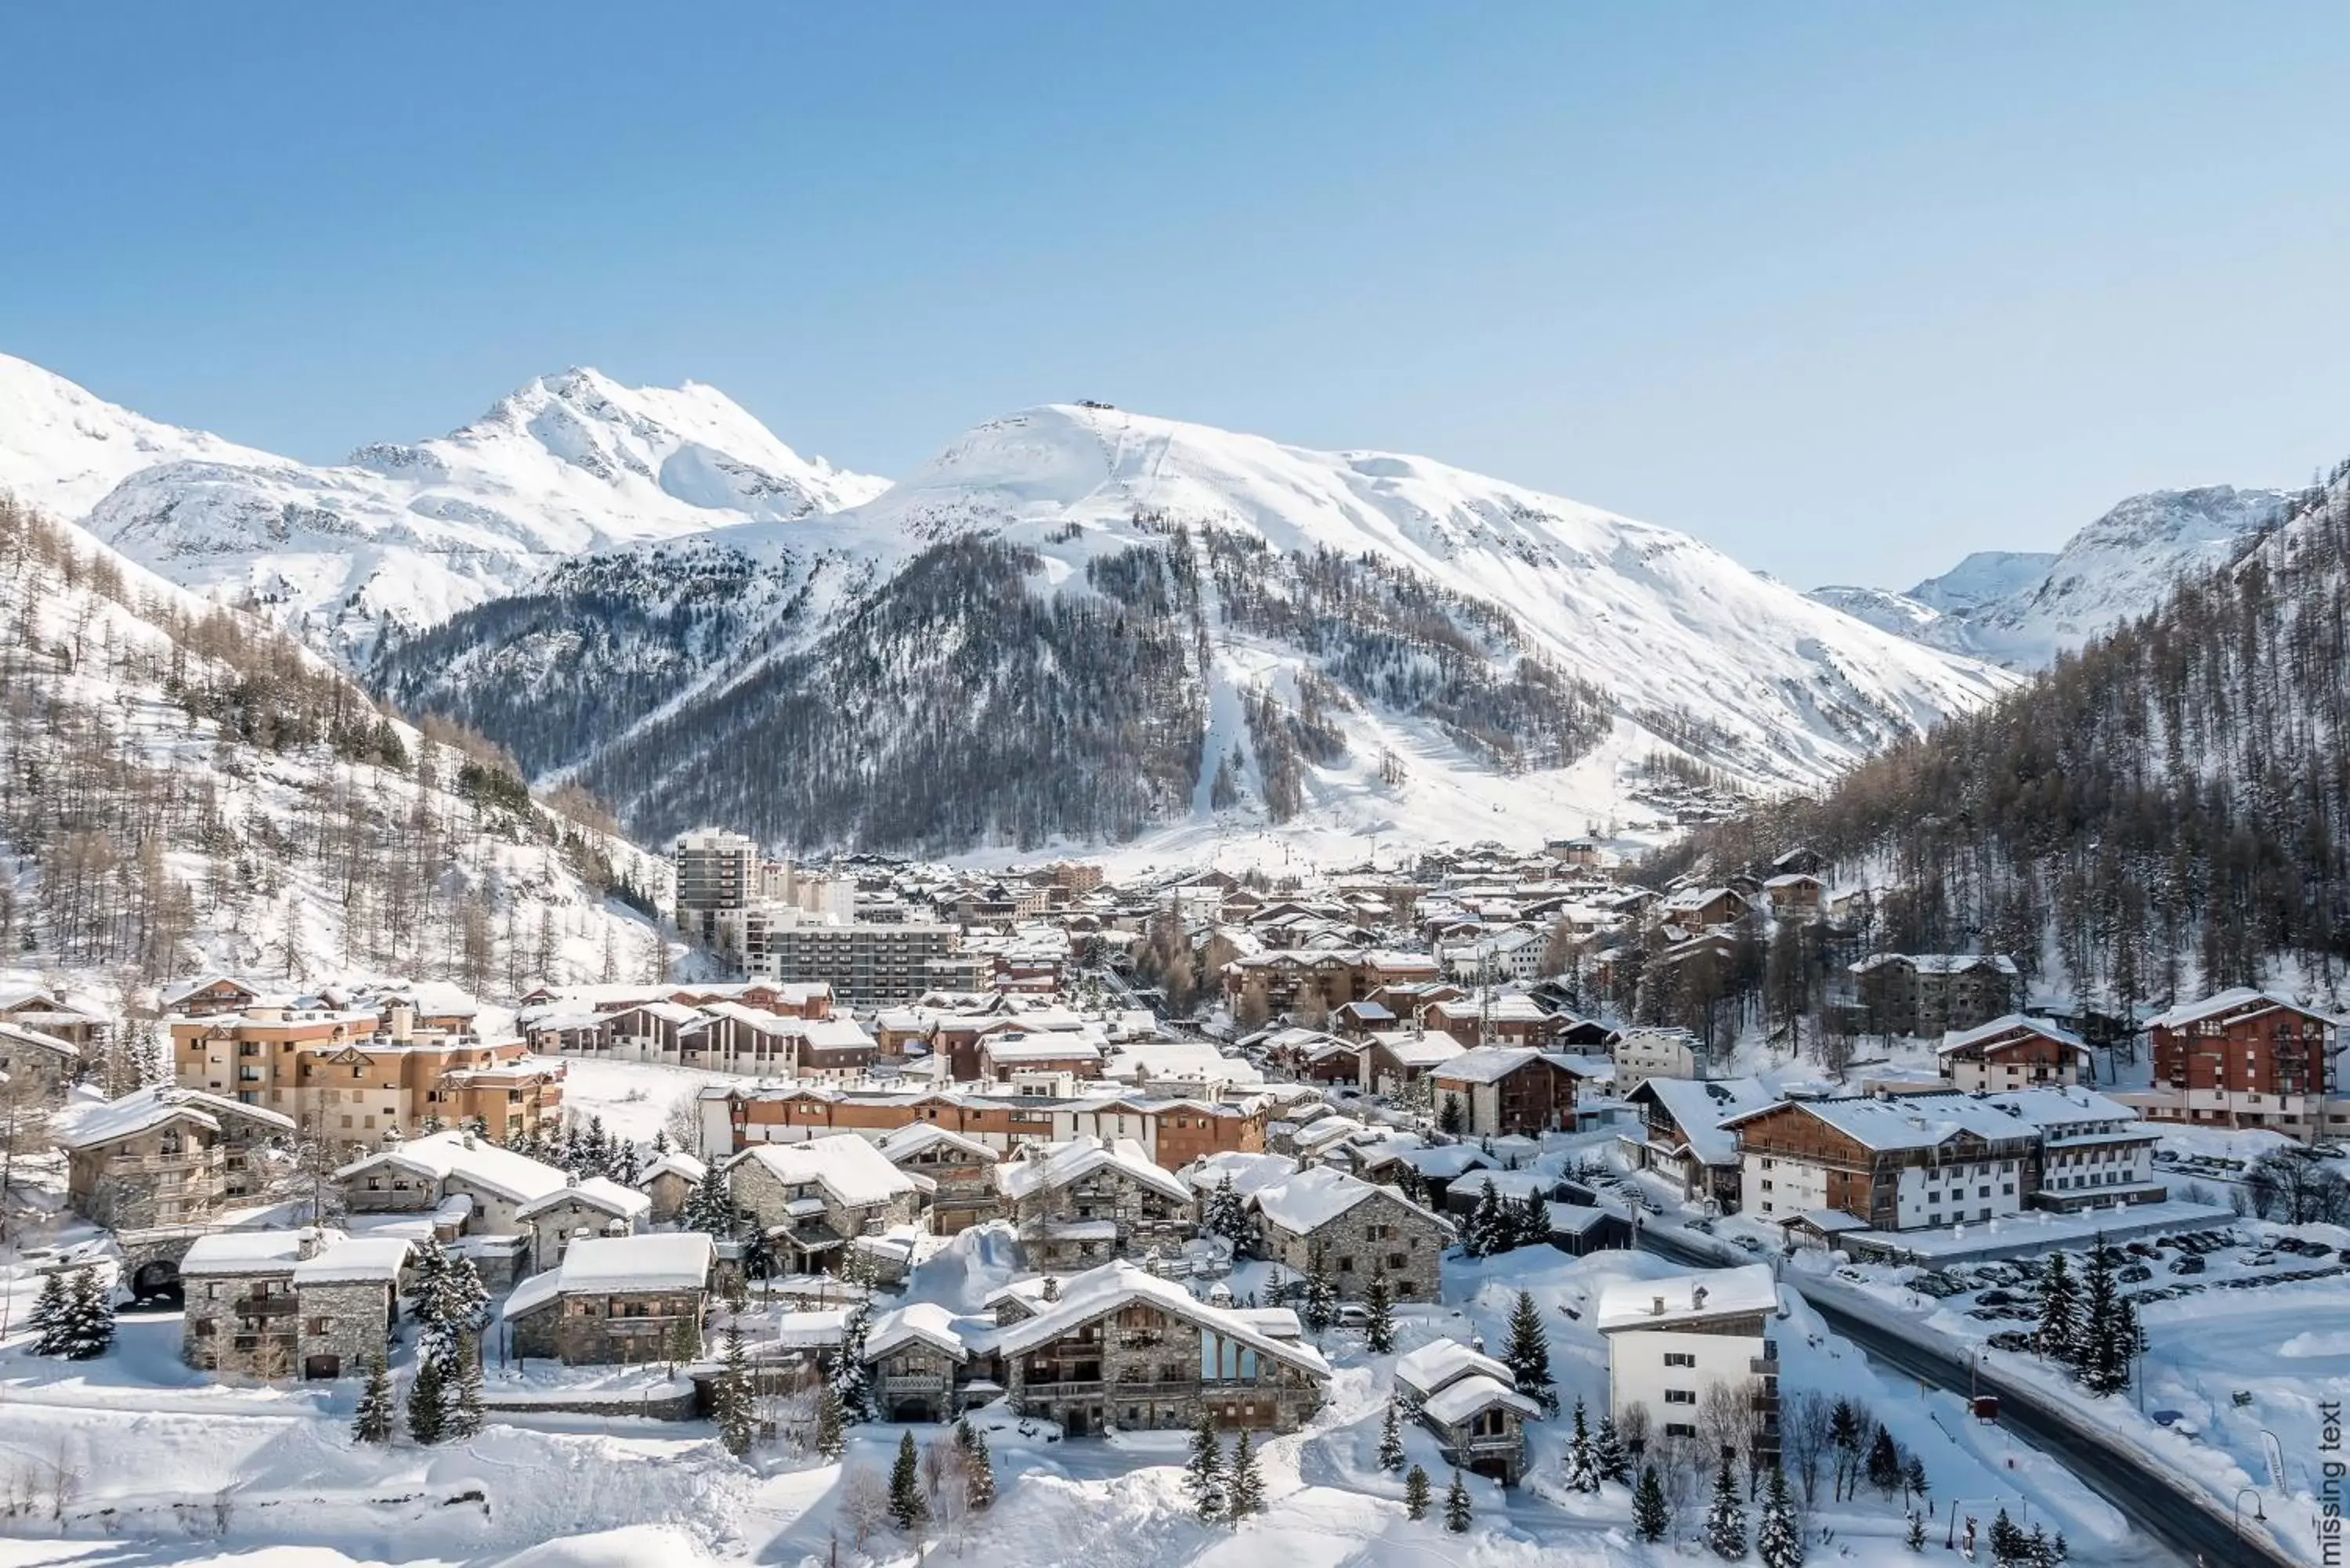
x: 1805, y: 1424
x: 946, y: 1488
x: 863, y: 1502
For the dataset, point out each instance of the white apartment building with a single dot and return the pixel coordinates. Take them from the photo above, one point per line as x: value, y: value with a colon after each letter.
x: 1644, y: 1053
x: 1673, y: 1341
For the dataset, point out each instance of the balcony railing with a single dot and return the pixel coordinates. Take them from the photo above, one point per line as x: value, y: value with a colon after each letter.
x: 193, y: 1159
x: 265, y: 1306
x: 1764, y: 1367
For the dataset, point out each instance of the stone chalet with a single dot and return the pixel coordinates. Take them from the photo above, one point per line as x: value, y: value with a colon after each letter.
x: 1355, y: 1231
x: 919, y: 1364
x: 615, y: 1301
x: 961, y: 1168
x: 1087, y: 1201
x: 812, y: 1198
x: 1672, y: 1340
x: 54, y: 1013
x: 1122, y: 1348
x: 39, y: 1064
x: 473, y: 1190
x: 163, y: 1157
x: 597, y: 1206
x: 208, y: 994
x: 1472, y: 1403
x: 290, y: 1304
x: 2013, y: 1052
x: 668, y: 1182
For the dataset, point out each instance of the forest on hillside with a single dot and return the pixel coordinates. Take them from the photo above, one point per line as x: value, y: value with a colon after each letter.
x: 2163, y: 813
x: 171, y: 776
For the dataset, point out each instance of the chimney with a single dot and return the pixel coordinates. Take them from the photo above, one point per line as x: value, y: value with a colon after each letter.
x: 1655, y: 1306
x: 1696, y: 1298
x: 305, y: 1246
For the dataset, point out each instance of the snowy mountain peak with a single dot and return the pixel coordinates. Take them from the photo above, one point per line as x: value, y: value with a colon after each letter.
x: 402, y: 535
x: 2022, y: 609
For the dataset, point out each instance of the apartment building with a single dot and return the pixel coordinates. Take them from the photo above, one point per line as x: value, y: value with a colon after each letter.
x: 1673, y: 1342
x: 356, y: 1075
x: 866, y: 964
x: 2012, y: 1052
x: 716, y: 872
x: 1933, y: 993
x: 2244, y: 1058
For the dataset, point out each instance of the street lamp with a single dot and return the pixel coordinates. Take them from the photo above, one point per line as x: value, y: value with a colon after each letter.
x: 2259, y: 1516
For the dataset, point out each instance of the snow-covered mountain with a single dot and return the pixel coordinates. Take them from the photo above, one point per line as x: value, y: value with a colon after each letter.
x: 1080, y: 622
x: 2022, y: 609
x: 399, y: 537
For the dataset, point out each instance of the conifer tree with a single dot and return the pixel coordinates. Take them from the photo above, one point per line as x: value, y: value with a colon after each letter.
x: 1480, y: 1232
x: 1651, y: 1515
x: 1203, y: 1473
x: 1779, y: 1539
x: 427, y: 1402
x: 377, y: 1416
x: 1614, y: 1463
x: 979, y: 1471
x: 1319, y: 1307
x: 852, y: 1380
x: 1913, y: 1477
x: 1725, y: 1519
x: 907, y: 1508
x: 1884, y: 1462
x: 831, y: 1422
x: 1843, y: 1436
x: 83, y: 1326
x: 1391, y: 1454
x: 465, y: 1413
x: 2008, y: 1544
x: 2059, y: 1335
x: 1226, y: 1215
x: 736, y: 1410
x: 1582, y: 1455
x: 2104, y: 1359
x: 49, y: 1311
x: 1378, y: 1301
x: 1916, y: 1539
x: 1456, y: 1507
x: 1529, y: 1221
x: 1415, y: 1493
x: 1244, y: 1494
x: 1528, y: 1354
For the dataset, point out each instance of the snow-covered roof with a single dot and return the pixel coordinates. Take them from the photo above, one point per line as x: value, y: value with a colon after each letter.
x: 1676, y: 1299
x: 1315, y: 1196
x: 1053, y: 1047
x: 1699, y: 1107
x: 515, y: 1177
x: 252, y: 1251
x: 1089, y: 1295
x: 360, y: 1260
x: 1939, y: 964
x: 1459, y: 1401
x: 1047, y: 1166
x: 90, y: 1124
x: 22, y: 1035
x: 1443, y: 1362
x: 671, y: 1261
x: 170, y: 996
x: 1248, y: 1172
x: 1418, y: 1050
x: 2232, y: 1000
x: 926, y: 1323
x: 916, y: 1137
x: 1964, y: 1038
x: 1486, y: 1065
x: 597, y: 1191
x: 676, y: 1162
x: 845, y: 1165
x: 1924, y: 1121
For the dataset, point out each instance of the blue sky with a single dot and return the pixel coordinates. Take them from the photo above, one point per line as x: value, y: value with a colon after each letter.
x: 1846, y: 290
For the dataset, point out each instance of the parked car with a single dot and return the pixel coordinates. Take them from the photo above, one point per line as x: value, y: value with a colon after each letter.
x: 2190, y: 1264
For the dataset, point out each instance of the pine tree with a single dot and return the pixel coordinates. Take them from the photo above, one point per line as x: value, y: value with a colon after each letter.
x: 82, y: 1326
x: 2059, y: 1335
x: 1415, y: 1493
x: 852, y: 1380
x: 1613, y: 1461
x: 710, y: 1207
x: 1226, y: 1215
x: 465, y: 1415
x: 1320, y: 1305
x: 737, y: 1414
x: 1884, y: 1462
x: 1390, y: 1440
x: 2059, y: 1553
x: 1725, y: 1520
x: 907, y: 1508
x: 1779, y: 1539
x: 377, y: 1416
x: 1528, y: 1354
x: 427, y: 1402
x: 1379, y: 1300
x: 979, y: 1471
x: 1244, y: 1494
x: 1843, y: 1435
x: 1582, y: 1457
x: 1456, y: 1507
x: 2105, y: 1358
x: 1480, y: 1232
x: 1913, y: 1477
x: 831, y: 1422
x: 1916, y: 1539
x: 49, y: 1311
x: 1203, y: 1473
x: 1530, y: 1221
x: 2007, y: 1543
x: 2036, y: 1551
x: 1650, y: 1516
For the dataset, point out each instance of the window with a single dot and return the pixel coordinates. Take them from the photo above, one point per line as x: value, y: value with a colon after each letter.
x: 1680, y: 1358
x: 1680, y: 1430
x: 1681, y: 1396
